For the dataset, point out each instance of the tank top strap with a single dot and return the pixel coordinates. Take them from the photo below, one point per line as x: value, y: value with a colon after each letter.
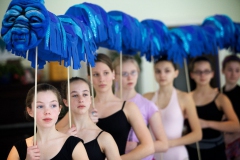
x: 123, y: 105
x: 99, y: 134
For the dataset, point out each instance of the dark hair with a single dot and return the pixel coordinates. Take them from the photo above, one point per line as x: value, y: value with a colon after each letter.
x: 73, y: 79
x: 164, y: 58
x: 104, y: 59
x: 199, y: 59
x: 43, y: 87
x: 230, y: 58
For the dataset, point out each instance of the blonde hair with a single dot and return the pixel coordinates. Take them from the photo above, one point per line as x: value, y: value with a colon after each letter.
x: 125, y: 58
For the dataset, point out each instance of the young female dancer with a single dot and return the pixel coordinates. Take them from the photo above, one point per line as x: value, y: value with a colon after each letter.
x: 211, y: 106
x: 51, y: 144
x: 115, y: 116
x: 149, y: 110
x: 99, y: 144
x: 174, y: 105
x: 231, y: 70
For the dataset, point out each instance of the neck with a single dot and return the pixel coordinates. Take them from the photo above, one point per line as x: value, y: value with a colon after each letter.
x: 229, y: 86
x: 203, y: 88
x: 81, y: 121
x: 45, y: 134
x: 127, y: 94
x: 104, y: 96
x: 166, y: 89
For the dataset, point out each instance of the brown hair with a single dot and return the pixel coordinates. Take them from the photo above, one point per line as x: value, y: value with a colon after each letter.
x: 199, y: 59
x: 230, y: 58
x: 104, y: 59
x: 164, y: 58
x: 43, y: 87
x: 64, y: 86
x: 125, y: 58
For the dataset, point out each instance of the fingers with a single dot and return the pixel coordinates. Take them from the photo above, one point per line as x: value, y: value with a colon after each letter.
x: 72, y: 131
x: 33, y: 153
x: 94, y: 115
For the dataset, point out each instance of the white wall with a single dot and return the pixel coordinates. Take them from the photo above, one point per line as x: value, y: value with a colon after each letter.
x: 170, y: 12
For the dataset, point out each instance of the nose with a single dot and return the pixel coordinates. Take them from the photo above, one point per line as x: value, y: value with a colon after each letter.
x: 101, y: 78
x: 46, y: 111
x: 80, y: 99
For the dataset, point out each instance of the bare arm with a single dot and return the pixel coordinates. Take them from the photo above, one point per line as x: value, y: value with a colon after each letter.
x: 13, y: 154
x: 161, y: 142
x: 148, y: 95
x: 146, y: 146
x: 196, y: 133
x: 231, y: 124
x: 79, y: 152
x: 109, y: 146
x: 63, y: 122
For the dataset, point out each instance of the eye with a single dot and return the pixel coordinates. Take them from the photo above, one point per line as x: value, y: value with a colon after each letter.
x: 74, y: 95
x: 157, y: 71
x: 106, y: 73
x: 11, y: 19
x: 85, y: 95
x: 34, y: 20
x: 95, y: 74
x: 54, y: 105
x: 39, y: 106
x: 167, y: 71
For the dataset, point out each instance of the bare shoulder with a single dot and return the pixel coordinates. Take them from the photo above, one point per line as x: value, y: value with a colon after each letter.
x: 183, y: 96
x: 105, y: 136
x: 148, y: 95
x: 29, y: 141
x: 222, y: 98
x: 105, y: 140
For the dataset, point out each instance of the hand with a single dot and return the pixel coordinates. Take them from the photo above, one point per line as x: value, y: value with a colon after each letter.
x: 94, y: 115
x: 33, y: 153
x: 72, y: 131
x: 204, y: 123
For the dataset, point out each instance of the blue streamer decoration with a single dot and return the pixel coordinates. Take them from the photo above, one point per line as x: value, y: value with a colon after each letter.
x: 75, y: 36
x: 28, y: 24
x: 131, y: 32
x: 160, y: 36
x: 222, y: 27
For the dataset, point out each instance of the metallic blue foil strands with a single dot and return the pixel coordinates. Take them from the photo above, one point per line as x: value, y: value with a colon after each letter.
x: 131, y: 32
x: 93, y: 16
x: 160, y: 37
x: 114, y: 40
x: 175, y: 52
x: 222, y: 27
x: 195, y: 41
x: 236, y: 47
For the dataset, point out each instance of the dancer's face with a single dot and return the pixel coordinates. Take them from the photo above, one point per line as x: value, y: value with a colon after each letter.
x: 129, y: 75
x: 102, y: 77
x: 80, y: 98
x: 47, y: 109
x: 232, y: 72
x: 202, y: 73
x: 165, y: 73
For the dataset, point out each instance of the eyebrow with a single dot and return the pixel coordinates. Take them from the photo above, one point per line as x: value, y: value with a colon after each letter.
x: 51, y: 101
x: 76, y: 91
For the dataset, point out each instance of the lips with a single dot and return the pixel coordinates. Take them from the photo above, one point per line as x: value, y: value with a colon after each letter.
x: 81, y: 106
x: 102, y: 85
x: 47, y: 119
